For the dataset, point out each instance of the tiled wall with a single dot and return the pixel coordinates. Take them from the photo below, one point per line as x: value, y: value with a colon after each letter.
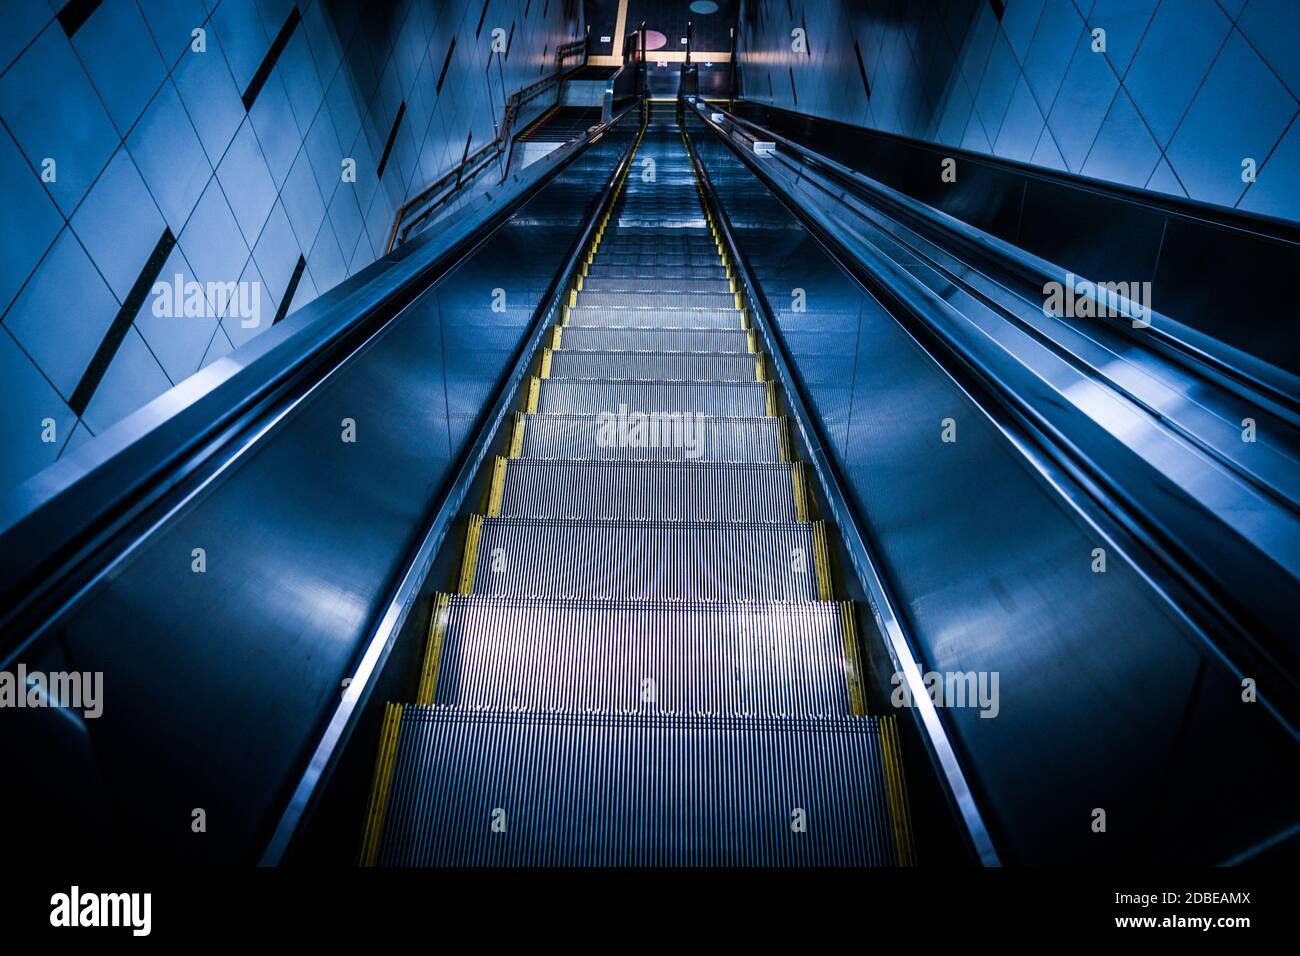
x: 1185, y: 90
x: 220, y: 165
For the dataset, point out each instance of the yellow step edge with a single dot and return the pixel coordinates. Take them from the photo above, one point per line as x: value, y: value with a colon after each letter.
x: 546, y: 363
x: 852, y: 662
x: 498, y: 487
x: 433, y: 650
x: 469, y: 559
x: 534, y: 393
x: 800, y: 498
x: 578, y: 282
x: 383, y: 778
x: 759, y: 375
x: 822, y: 560
x: 517, y: 436
x: 557, y: 332
x: 573, y: 297
x: 896, y: 789
x: 771, y: 399
x: 750, y: 341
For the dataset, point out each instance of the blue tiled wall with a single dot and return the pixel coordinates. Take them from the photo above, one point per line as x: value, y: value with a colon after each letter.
x: 1185, y: 90
x: 157, y: 156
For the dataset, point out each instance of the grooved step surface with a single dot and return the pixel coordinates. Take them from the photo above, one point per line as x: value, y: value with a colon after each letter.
x: 676, y: 285
x: 591, y: 338
x: 590, y: 396
x: 672, y: 318
x: 517, y: 788
x: 671, y: 562
x: 654, y: 366
x: 643, y: 491
x: 590, y: 437
x: 782, y: 659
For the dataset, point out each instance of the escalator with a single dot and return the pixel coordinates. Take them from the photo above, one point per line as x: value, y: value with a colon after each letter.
x: 645, y: 663
x: 567, y: 535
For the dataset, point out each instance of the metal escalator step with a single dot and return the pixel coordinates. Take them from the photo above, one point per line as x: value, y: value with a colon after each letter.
x: 649, y: 491
x: 778, y: 658
x: 656, y: 263
x: 692, y: 222
x: 583, y: 437
x: 674, y: 284
x: 655, y: 366
x: 721, y: 561
x: 606, y: 396
x: 654, y: 318
x: 670, y: 212
x: 714, y: 301
x: 634, y: 271
x: 622, y: 242
x: 667, y: 233
x: 587, y: 338
x: 475, y: 788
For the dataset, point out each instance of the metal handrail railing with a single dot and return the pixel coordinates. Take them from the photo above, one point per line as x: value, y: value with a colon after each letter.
x: 433, y: 196
x: 1175, y: 338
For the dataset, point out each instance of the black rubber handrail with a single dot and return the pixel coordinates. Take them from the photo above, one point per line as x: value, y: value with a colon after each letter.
x: 1242, y: 373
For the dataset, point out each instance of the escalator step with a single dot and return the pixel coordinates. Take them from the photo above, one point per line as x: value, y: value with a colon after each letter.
x: 669, y: 283
x: 682, y: 245
x: 714, y: 301
x: 523, y: 788
x: 619, y: 656
x: 654, y: 366
x: 656, y: 263
x: 650, y: 491
x: 649, y: 560
x: 660, y: 318
x: 597, y: 396
x: 699, y: 341
x: 723, y: 439
x: 640, y: 270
